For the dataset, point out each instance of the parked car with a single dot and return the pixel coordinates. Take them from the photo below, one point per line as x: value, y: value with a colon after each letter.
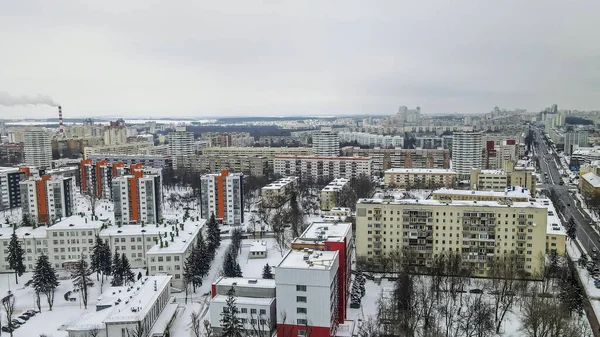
x: 32, y: 312
x: 24, y: 317
x: 7, y: 329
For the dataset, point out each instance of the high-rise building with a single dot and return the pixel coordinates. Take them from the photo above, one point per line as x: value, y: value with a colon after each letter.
x: 97, y: 177
x: 47, y: 199
x: 222, y: 195
x: 322, y: 169
x: 326, y: 143
x: 2, y: 128
x: 181, y: 143
x: 466, y: 153
x: 10, y: 195
x: 137, y: 197
x: 38, y: 148
x: 115, y: 133
x: 574, y: 140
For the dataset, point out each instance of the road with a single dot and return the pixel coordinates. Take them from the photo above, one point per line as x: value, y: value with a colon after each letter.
x: 549, y: 164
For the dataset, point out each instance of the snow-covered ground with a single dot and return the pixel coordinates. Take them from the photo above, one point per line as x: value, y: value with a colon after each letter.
x: 420, y: 194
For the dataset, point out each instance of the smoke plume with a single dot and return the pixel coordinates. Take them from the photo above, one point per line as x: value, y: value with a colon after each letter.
x: 7, y: 99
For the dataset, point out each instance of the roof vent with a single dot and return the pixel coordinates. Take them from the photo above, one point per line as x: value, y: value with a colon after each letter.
x: 71, y: 225
x: 252, y: 281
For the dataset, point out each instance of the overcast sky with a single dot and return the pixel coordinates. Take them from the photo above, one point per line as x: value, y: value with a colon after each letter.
x: 141, y: 58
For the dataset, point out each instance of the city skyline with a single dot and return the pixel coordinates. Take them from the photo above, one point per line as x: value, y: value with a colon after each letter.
x: 208, y: 59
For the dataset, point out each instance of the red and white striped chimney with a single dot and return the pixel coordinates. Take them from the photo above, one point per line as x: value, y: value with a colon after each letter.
x: 60, y: 121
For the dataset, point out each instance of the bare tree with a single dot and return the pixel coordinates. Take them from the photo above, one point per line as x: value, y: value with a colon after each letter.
x: 369, y: 328
x: 207, y: 328
x: 195, y: 324
x: 278, y: 223
x: 505, y: 285
x: 95, y: 332
x: 138, y: 331
x: 8, y: 304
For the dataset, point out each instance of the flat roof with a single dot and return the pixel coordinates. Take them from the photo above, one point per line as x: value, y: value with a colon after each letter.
x: 76, y: 222
x: 90, y: 320
x: 159, y: 326
x: 266, y: 301
x: 325, y: 231
x: 420, y: 170
x: 508, y: 192
x: 553, y: 224
x: 432, y: 202
x: 180, y: 243
x: 280, y: 183
x: 246, y: 282
x: 592, y: 179
x: 8, y: 169
x: 258, y: 246
x: 324, y: 158
x: 494, y: 172
x: 140, y: 297
x: 136, y: 230
x: 320, y: 260
x: 23, y: 232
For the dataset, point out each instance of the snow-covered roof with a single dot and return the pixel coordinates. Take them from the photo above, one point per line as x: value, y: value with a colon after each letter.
x: 180, y: 243
x: 420, y: 171
x: 336, y: 184
x: 159, y: 326
x: 553, y: 223
x: 140, y: 298
x: 23, y: 232
x: 90, y: 321
x: 258, y: 246
x: 494, y: 172
x: 473, y: 203
x: 592, y: 179
x: 301, y: 259
x: 246, y: 282
x: 76, y: 222
x: 320, y: 231
x: 280, y: 183
x: 239, y: 300
x: 127, y: 230
x: 514, y: 192
x: 8, y: 169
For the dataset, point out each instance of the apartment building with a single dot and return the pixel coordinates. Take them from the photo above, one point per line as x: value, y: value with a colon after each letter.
x: 499, y: 180
x: 221, y: 194
x: 255, y: 302
x: 11, y: 154
x: 514, y: 193
x: 127, y: 148
x: 10, y: 195
x: 279, y: 192
x: 250, y: 165
x: 137, y: 197
x: 478, y: 230
x: 269, y: 152
x: 498, y: 151
x: 120, y: 311
x: 147, y: 160
x: 589, y: 185
x: 385, y: 159
x: 330, y: 194
x: 181, y: 143
x: 420, y: 178
x: 322, y: 169
x: 38, y: 148
x: 47, y: 199
x: 326, y: 143
x: 73, y: 171
x: 466, y: 153
x: 372, y: 140
x: 308, y: 293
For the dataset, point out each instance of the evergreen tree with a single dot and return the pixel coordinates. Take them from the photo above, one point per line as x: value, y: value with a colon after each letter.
x: 213, y: 235
x: 45, y: 280
x: 238, y: 270
x: 229, y: 265
x: 25, y: 220
x: 126, y: 274
x: 15, y: 256
x: 81, y: 280
x: 189, y: 274
x: 231, y: 324
x: 96, y: 257
x: 117, y: 271
x: 267, y: 272
x: 355, y: 296
x: 571, y: 229
x: 201, y: 258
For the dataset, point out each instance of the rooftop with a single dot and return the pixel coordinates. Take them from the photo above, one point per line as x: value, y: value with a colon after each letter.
x: 76, y: 222
x: 336, y: 184
x: 309, y: 259
x: 23, y: 232
x: 420, y: 171
x: 473, y: 203
x: 280, y: 183
x: 133, y: 305
x: 515, y: 191
x: 592, y: 179
x: 245, y: 300
x: 246, y: 282
x: 495, y: 172
x: 320, y: 231
x: 8, y: 169
x: 554, y: 225
x: 180, y: 243
x: 258, y: 246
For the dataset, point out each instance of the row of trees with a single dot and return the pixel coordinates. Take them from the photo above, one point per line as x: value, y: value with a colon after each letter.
x: 440, y: 304
x: 231, y: 268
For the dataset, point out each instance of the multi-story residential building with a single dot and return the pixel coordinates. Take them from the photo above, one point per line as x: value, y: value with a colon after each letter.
x: 499, y: 180
x: 585, y: 155
x: 326, y: 143
x: 255, y: 302
x: 222, y: 195
x: 269, y: 152
x: 498, y: 151
x: 478, y: 230
x: 256, y: 166
x: 589, y: 185
x: 11, y: 154
x: 372, y: 140
x: 466, y: 153
x: 47, y: 199
x: 181, y: 143
x: 147, y: 160
x: 115, y: 133
x: 38, y: 148
x: 420, y: 178
x: 73, y: 171
x: 308, y: 293
x: 574, y: 140
x: 127, y: 148
x: 279, y: 192
x: 322, y: 169
x: 514, y: 193
x: 145, y: 305
x: 97, y: 177
x: 10, y: 193
x: 137, y: 197
x: 135, y: 240
x: 330, y: 194
x: 385, y: 159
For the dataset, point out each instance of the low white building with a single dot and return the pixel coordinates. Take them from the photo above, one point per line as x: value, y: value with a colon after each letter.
x: 258, y: 249
x: 255, y: 301
x: 277, y: 193
x: 120, y: 311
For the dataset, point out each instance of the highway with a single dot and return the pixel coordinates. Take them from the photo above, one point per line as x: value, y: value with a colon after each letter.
x: 549, y: 164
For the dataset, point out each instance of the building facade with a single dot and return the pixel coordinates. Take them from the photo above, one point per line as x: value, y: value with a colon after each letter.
x: 420, y: 178
x: 326, y: 143
x: 251, y: 165
x: 147, y: 160
x: 466, y: 153
x: 181, y: 143
x: 47, y: 199
x: 589, y: 185
x: 222, y: 195
x: 322, y: 169
x: 10, y: 193
x: 279, y: 192
x: 330, y: 194
x: 385, y: 159
x: 137, y: 198
x: 127, y: 148
x: 38, y: 148
x: 264, y: 151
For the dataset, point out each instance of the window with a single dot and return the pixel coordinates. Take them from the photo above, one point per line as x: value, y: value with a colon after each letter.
x: 301, y: 321
x: 301, y: 299
x: 300, y: 287
x: 301, y: 333
x: 301, y: 310
x: 244, y: 310
x: 252, y: 311
x: 263, y: 311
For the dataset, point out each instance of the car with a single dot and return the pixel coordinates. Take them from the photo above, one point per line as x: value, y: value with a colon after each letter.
x: 594, y: 249
x: 23, y: 317
x: 568, y: 205
x: 32, y: 312
x: 475, y: 291
x: 7, y: 329
x: 17, y: 322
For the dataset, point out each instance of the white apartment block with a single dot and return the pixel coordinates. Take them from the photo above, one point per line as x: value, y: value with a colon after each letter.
x: 322, y: 169
x: 419, y: 178
x: 127, y: 148
x: 47, y: 199
x: 466, y: 153
x: 10, y: 195
x: 265, y: 151
x: 255, y: 301
x: 330, y: 194
x: 181, y: 143
x: 222, y: 195
x: 277, y: 193
x: 370, y: 139
x: 326, y: 143
x: 38, y: 148
x: 137, y: 198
